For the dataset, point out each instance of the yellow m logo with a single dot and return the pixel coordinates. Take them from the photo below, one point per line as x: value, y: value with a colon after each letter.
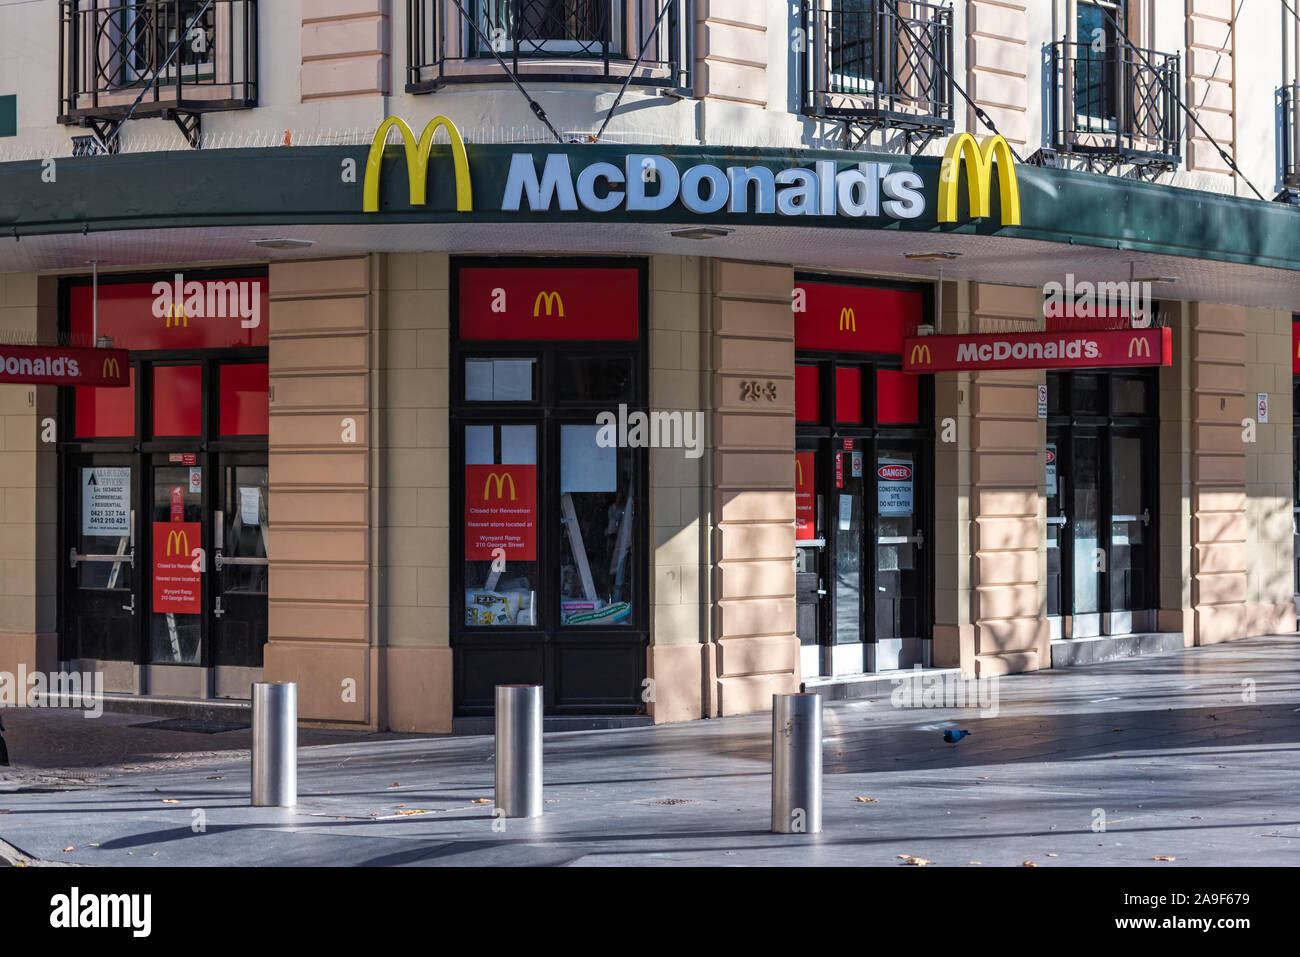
x: 417, y: 163
x: 501, y: 481
x: 978, y: 160
x: 552, y: 300
x: 920, y: 355
x: 798, y: 473
x: 1139, y: 347
x: 111, y: 367
x: 848, y: 320
x: 176, y: 317
x: 180, y: 540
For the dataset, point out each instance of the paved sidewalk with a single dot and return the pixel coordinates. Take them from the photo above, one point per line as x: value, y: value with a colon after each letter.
x: 1171, y: 751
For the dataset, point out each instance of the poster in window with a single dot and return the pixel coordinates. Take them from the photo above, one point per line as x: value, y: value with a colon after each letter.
x: 585, y: 465
x: 501, y: 512
x: 177, y: 586
x: 1051, y: 470
x: 805, y: 490
x: 894, y: 487
x: 106, y: 501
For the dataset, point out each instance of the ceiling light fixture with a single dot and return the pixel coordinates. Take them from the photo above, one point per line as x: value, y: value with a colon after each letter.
x: 702, y: 232
x: 284, y: 243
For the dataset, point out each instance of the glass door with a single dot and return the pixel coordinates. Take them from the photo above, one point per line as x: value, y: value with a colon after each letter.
x: 176, y: 572
x: 810, y: 559
x: 1130, y: 517
x: 900, y: 588
x: 99, y: 593
x: 1056, y: 530
x: 848, y: 652
x: 1089, y: 556
x: 241, y: 568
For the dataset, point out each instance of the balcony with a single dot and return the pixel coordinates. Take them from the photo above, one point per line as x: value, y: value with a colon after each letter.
x: 458, y: 41
x: 1116, y: 106
x: 113, y: 53
x: 878, y: 64
x: 1288, y: 142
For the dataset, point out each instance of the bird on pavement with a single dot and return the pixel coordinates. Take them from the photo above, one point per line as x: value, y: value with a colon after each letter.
x: 952, y: 736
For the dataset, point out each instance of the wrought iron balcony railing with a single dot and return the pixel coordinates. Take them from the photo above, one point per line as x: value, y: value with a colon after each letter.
x: 111, y: 50
x: 1117, y: 105
x: 1288, y: 129
x: 878, y: 64
x: 457, y: 41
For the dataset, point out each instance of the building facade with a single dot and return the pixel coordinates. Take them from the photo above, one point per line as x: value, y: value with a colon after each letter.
x: 667, y: 353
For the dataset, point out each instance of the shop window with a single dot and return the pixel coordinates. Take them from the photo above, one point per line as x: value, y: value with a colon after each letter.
x: 177, y: 400
x: 897, y: 397
x: 596, y: 508
x: 1087, y: 397
x: 807, y: 394
x: 1128, y: 395
x: 500, y: 380
x: 103, y: 412
x: 848, y: 395
x: 593, y: 378
x: 244, y: 402
x: 500, y: 491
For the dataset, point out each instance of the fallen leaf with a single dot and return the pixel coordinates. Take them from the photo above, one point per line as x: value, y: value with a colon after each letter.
x: 1028, y: 864
x: 1053, y: 855
x: 912, y: 859
x: 401, y: 805
x: 170, y: 801
x: 412, y: 811
x: 92, y: 845
x: 1117, y: 729
x: 864, y: 800
x: 66, y: 849
x: 969, y: 863
x: 395, y: 784
x: 1161, y: 857
x: 481, y: 801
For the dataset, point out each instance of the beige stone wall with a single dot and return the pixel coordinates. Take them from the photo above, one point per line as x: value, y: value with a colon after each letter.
x: 1008, y: 512
x: 1177, y: 408
x: 1210, y: 72
x: 753, y: 479
x: 411, y: 464
x: 731, y: 51
x: 954, y: 629
x: 681, y: 516
x: 996, y: 60
x: 1270, y: 573
x: 345, y: 48
x: 28, y: 496
x: 319, y: 625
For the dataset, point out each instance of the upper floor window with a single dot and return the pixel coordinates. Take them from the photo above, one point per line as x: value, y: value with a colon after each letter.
x: 1096, y: 71
x: 561, y: 40
x: 877, y: 64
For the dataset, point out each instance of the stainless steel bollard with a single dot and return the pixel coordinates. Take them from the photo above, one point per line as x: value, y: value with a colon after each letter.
x: 519, y: 750
x: 275, y: 744
x: 796, y: 763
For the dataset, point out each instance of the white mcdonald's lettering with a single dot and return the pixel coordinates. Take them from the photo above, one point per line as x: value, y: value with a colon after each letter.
x: 1000, y: 350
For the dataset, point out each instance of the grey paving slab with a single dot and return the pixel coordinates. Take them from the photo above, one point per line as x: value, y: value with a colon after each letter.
x: 1204, y: 769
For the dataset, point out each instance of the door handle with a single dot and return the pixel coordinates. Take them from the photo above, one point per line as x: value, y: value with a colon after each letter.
x: 130, y: 607
x: 218, y: 611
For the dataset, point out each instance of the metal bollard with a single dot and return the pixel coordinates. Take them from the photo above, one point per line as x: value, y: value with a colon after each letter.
x: 796, y: 763
x: 275, y: 744
x: 519, y: 750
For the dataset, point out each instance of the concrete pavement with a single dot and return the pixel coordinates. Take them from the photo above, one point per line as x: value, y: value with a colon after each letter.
x: 1191, y: 756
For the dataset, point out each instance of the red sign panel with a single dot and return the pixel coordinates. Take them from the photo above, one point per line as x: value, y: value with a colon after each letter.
x: 854, y: 318
x: 501, y: 512
x: 1295, y: 348
x: 42, y: 365
x: 894, y: 473
x: 177, y: 587
x: 178, y: 503
x: 805, y: 496
x: 550, y: 304
x: 1039, y: 350
x: 176, y: 312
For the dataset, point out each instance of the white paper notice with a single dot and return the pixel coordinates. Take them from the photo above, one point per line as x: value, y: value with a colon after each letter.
x: 584, y: 465
x: 894, y: 487
x: 498, y: 380
x: 846, y: 513
x: 106, y: 501
x: 249, y: 504
x: 478, y: 445
x: 518, y: 445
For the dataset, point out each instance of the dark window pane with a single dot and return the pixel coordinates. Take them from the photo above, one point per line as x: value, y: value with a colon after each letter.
x: 1129, y: 395
x: 1057, y: 383
x: 594, y: 379
x: 1088, y: 398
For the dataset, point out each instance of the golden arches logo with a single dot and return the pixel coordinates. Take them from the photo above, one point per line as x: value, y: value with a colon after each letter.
x: 848, y: 320
x: 417, y: 163
x: 1138, y: 346
x: 920, y: 355
x: 501, y: 478
x: 978, y: 159
x: 180, y: 540
x: 798, y: 473
x: 176, y: 316
x: 111, y: 368
x: 552, y: 300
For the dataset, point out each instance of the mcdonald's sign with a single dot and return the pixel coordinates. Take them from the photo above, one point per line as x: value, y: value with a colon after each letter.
x: 848, y: 322
x: 1039, y: 350
x: 805, y: 509
x: 1295, y: 348
x: 41, y: 365
x: 826, y: 317
x: 500, y: 478
x: 977, y: 158
x: 177, y: 587
x: 417, y: 163
x: 500, y: 512
x: 552, y: 300
x: 176, y: 316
